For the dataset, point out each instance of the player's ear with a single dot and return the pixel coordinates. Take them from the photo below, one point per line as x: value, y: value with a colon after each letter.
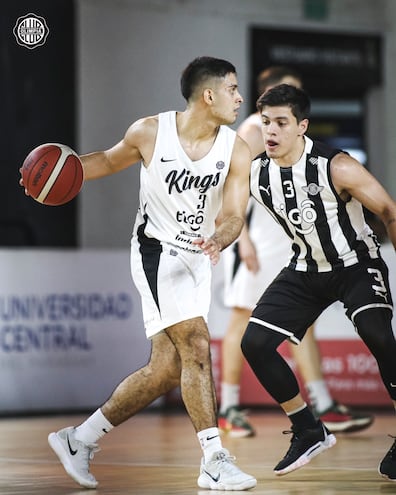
x: 208, y: 96
x: 303, y: 125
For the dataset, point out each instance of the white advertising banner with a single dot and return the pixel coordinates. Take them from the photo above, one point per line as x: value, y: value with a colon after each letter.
x: 71, y: 328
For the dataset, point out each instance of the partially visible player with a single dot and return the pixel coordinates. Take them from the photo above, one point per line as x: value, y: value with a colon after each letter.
x: 250, y: 265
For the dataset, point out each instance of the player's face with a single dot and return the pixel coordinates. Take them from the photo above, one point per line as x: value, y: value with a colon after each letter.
x: 282, y: 134
x: 226, y: 99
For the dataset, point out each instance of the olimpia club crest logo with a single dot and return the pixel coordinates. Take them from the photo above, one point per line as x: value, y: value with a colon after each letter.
x: 31, y: 31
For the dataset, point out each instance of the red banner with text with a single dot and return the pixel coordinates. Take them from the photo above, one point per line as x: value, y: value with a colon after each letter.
x: 350, y: 371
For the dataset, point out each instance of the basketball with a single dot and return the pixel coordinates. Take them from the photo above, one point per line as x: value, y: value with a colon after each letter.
x: 52, y: 174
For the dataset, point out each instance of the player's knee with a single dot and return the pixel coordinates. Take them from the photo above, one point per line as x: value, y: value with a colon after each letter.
x: 201, y: 346
x: 375, y: 328
x: 193, y: 344
x: 259, y: 341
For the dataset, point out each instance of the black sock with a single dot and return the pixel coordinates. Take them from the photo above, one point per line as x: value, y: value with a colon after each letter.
x: 303, y: 419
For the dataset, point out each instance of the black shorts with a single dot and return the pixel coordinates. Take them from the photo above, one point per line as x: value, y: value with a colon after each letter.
x: 294, y: 300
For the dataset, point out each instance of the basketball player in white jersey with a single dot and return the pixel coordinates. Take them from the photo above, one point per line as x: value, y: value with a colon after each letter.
x: 192, y: 166
x: 250, y: 265
x: 317, y: 194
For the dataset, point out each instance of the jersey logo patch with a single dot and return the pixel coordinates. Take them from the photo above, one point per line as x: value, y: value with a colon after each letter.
x: 313, y: 189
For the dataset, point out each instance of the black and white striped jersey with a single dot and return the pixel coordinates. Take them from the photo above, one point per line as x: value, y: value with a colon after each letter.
x: 327, y: 232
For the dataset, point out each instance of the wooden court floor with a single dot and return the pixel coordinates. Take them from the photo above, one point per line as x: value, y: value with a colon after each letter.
x: 157, y: 453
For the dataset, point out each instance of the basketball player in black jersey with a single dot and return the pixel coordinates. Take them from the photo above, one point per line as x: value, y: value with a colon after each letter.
x: 316, y: 193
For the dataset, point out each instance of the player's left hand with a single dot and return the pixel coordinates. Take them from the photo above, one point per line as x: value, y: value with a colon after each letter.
x: 22, y: 184
x: 209, y: 247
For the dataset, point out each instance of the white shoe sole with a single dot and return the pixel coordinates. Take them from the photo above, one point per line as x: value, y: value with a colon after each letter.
x: 348, y: 426
x: 386, y: 476
x: 204, y: 481
x: 57, y: 447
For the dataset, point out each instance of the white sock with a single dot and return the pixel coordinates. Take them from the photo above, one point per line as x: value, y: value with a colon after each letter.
x: 210, y: 442
x: 319, y: 395
x: 93, y: 428
x: 229, y: 396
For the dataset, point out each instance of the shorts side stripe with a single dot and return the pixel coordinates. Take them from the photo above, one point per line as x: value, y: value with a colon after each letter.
x: 289, y: 335
x: 369, y: 306
x: 150, y: 250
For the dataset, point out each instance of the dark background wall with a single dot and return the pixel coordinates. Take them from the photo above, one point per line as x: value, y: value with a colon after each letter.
x: 38, y: 95
x: 107, y: 63
x: 339, y: 69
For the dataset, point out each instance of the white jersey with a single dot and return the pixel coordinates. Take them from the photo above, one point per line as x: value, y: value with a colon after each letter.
x: 180, y: 198
x: 179, y: 201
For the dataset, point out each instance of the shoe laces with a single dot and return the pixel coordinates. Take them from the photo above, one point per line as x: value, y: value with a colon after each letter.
x: 87, y: 453
x: 297, y: 435
x: 293, y: 431
x: 225, y: 456
x: 292, y: 440
x: 93, y: 448
x: 226, y: 460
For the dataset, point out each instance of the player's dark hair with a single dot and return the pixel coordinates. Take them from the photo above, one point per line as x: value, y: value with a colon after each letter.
x: 273, y: 75
x: 200, y: 70
x: 285, y: 95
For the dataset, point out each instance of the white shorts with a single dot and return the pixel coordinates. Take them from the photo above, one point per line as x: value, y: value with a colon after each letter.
x: 242, y: 288
x: 174, y: 284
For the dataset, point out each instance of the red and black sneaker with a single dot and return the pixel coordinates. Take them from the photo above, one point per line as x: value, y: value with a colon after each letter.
x: 235, y: 424
x: 341, y: 419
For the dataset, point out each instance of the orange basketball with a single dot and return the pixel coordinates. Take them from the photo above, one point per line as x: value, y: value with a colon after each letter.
x: 52, y: 174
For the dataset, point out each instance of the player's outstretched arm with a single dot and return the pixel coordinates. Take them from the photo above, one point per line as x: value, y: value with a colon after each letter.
x: 136, y: 145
